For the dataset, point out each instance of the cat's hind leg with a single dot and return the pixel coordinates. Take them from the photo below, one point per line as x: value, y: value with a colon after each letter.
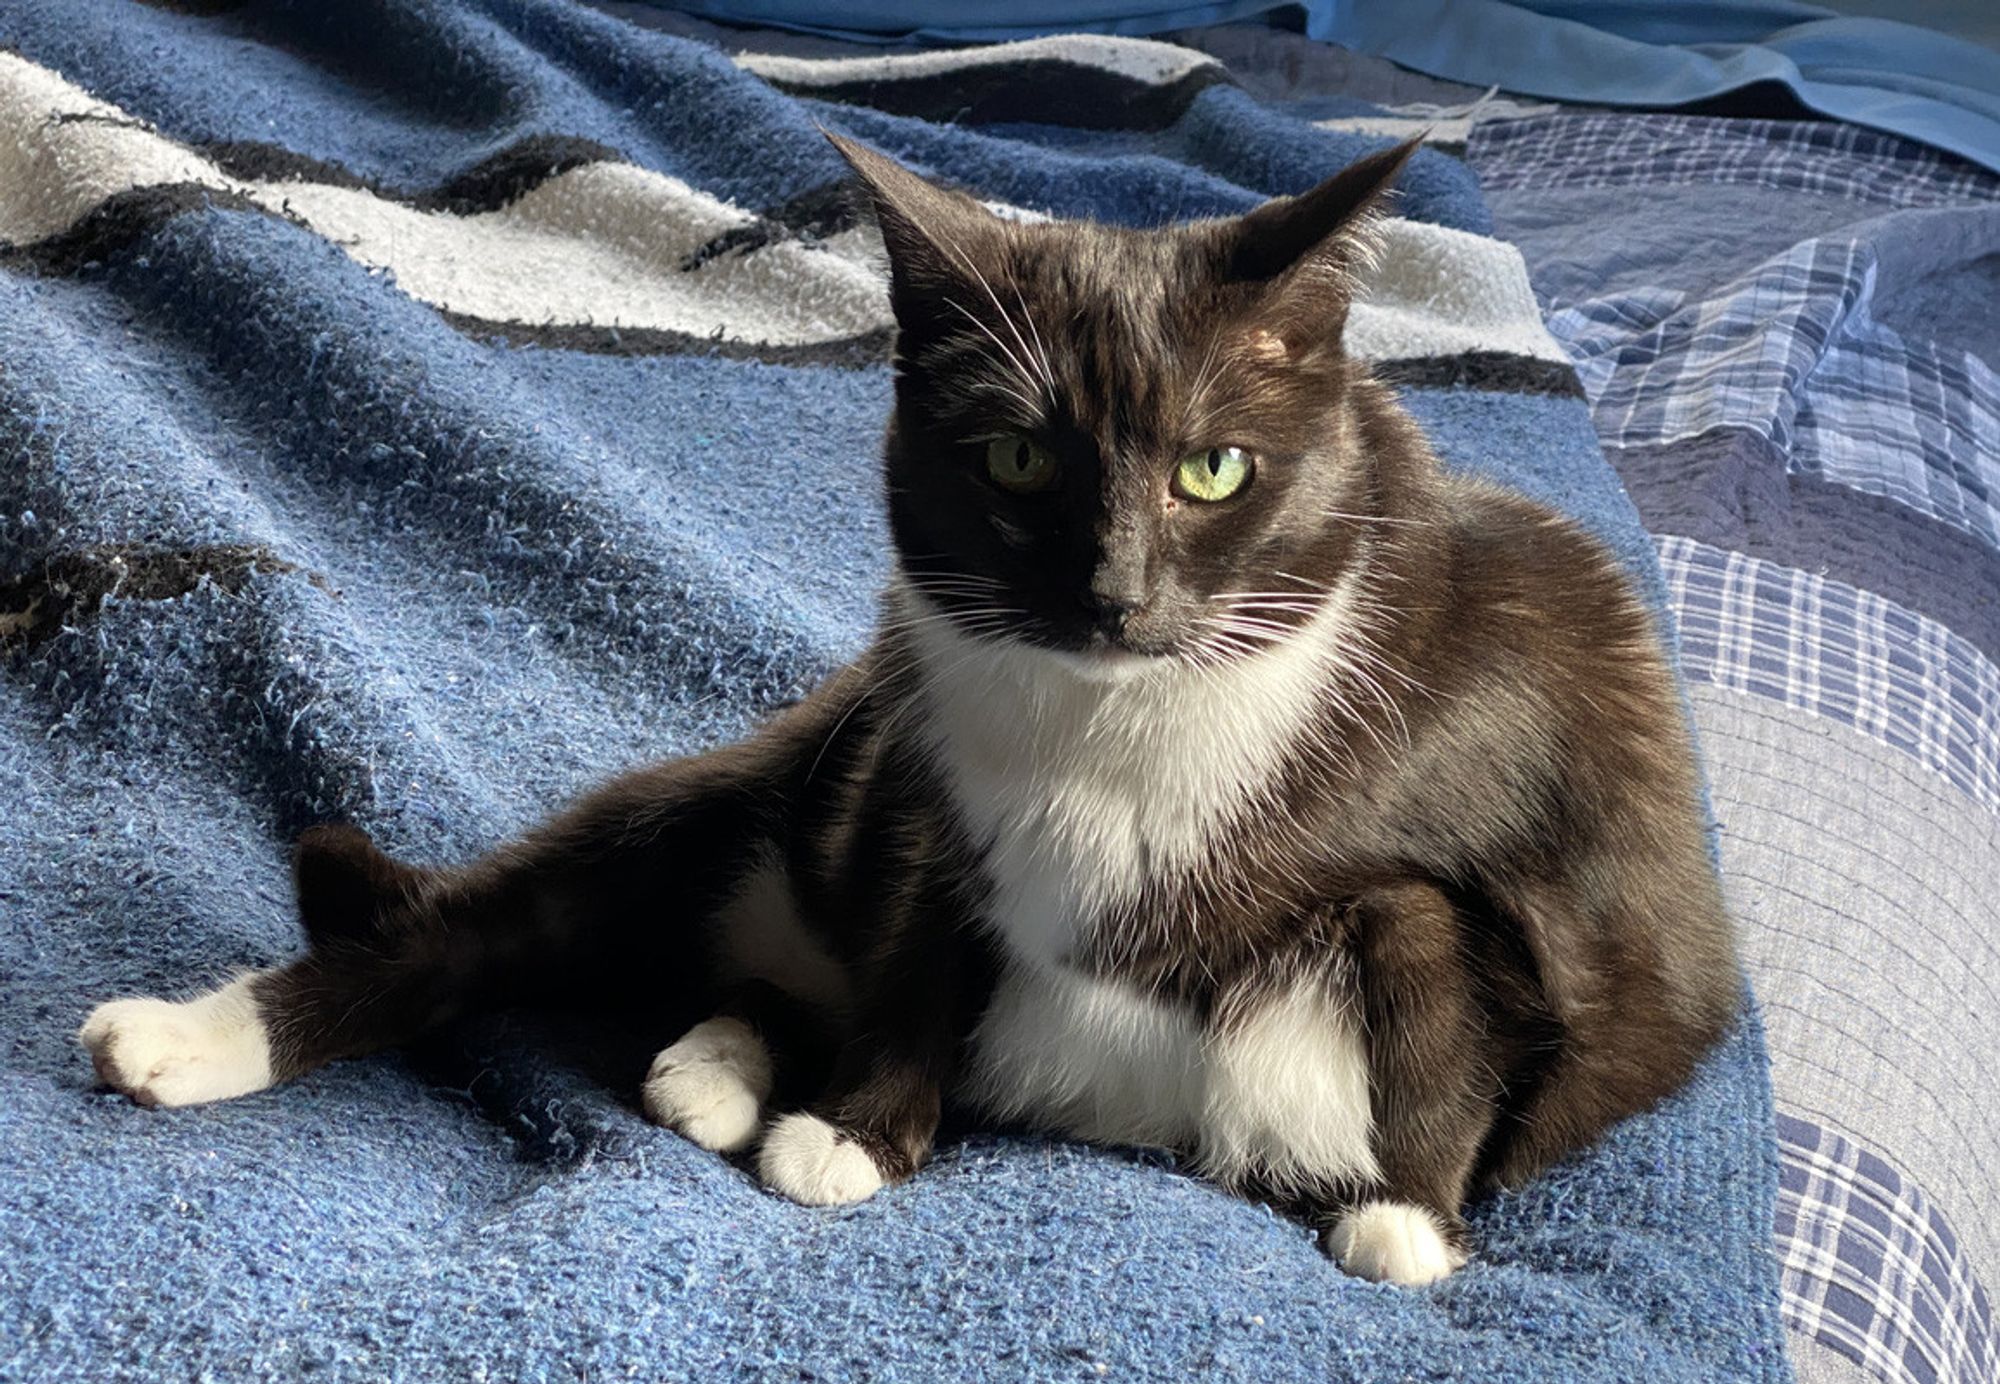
x: 247, y: 1035
x: 383, y: 965
x: 618, y: 897
x: 210, y: 1048
x: 395, y: 951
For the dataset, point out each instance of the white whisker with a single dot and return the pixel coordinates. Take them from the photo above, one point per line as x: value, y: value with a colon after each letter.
x: 1373, y: 518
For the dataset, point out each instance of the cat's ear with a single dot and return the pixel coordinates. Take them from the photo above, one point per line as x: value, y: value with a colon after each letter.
x: 1305, y: 250
x: 934, y: 235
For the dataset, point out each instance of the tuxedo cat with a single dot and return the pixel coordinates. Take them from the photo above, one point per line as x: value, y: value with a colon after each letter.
x: 1223, y: 776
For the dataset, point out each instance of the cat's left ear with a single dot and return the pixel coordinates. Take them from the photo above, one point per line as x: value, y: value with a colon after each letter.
x: 934, y: 235
x: 1305, y: 250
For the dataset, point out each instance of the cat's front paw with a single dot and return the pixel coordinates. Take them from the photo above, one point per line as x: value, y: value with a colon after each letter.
x: 1393, y: 1242
x: 711, y: 1085
x: 206, y: 1049
x: 815, y: 1164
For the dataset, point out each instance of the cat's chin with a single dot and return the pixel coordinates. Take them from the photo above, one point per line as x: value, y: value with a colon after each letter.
x: 1105, y: 663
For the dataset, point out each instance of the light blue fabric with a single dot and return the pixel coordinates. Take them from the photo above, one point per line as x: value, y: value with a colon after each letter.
x: 1875, y: 72
x: 1881, y: 73
x: 511, y: 572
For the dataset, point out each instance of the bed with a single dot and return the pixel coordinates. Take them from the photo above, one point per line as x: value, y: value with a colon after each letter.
x: 414, y: 430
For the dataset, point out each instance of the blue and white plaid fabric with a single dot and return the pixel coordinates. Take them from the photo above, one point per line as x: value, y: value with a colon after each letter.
x: 1822, y: 157
x: 1870, y: 1269
x: 1792, y: 352
x: 1848, y: 655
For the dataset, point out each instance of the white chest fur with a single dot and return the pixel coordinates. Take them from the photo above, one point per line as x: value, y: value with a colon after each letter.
x: 1081, y: 788
x: 1281, y: 1095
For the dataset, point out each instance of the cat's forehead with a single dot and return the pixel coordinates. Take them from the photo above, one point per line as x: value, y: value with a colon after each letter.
x: 1139, y: 334
x: 1122, y: 316
x: 1112, y: 279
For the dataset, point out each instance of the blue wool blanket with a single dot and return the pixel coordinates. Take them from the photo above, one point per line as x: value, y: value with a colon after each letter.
x: 415, y: 415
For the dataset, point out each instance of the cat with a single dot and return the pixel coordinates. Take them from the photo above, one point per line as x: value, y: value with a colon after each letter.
x: 1224, y: 776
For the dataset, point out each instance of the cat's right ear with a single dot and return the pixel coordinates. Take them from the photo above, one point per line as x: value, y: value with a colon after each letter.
x: 934, y: 235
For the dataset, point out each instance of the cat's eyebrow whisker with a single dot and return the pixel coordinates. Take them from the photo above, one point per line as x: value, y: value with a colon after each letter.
x: 1031, y: 412
x: 1197, y: 416
x: 1373, y: 518
x: 1006, y: 350
x: 987, y: 286
x: 1020, y: 365
x: 958, y: 252
x: 1013, y: 328
x: 1048, y: 370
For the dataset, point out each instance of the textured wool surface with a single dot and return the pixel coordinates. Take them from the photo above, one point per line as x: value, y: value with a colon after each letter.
x: 293, y: 546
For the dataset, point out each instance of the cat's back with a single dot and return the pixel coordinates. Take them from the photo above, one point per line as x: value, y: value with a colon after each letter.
x: 1521, y: 570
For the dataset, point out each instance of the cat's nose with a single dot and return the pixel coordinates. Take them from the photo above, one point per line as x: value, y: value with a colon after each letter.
x: 1112, y: 610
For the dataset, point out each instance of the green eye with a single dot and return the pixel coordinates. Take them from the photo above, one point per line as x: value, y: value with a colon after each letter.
x: 1019, y: 465
x: 1215, y: 474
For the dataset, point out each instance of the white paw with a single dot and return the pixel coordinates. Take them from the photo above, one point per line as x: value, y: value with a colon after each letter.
x: 1392, y: 1242
x: 159, y: 1053
x: 711, y: 1085
x: 808, y: 1160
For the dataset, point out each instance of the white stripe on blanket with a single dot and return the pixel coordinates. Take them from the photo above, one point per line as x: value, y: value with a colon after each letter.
x: 1140, y: 59
x: 602, y: 245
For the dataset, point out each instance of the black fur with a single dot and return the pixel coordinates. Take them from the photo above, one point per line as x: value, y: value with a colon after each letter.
x: 1492, y: 837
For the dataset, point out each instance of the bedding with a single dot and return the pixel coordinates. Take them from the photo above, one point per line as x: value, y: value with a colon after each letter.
x: 415, y: 423
x: 1920, y: 71
x: 1787, y: 333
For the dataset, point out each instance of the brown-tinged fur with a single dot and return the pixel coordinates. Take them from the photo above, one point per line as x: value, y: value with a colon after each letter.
x: 1493, y: 834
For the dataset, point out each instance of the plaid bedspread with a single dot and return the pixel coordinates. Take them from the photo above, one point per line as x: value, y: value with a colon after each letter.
x: 1786, y: 332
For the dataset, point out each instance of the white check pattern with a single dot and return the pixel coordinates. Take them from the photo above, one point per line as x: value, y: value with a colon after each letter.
x: 1835, y: 651
x: 1869, y: 1269
x: 1822, y: 157
x: 1792, y: 353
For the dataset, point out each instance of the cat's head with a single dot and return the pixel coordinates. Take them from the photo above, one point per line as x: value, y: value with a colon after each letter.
x: 1128, y: 445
